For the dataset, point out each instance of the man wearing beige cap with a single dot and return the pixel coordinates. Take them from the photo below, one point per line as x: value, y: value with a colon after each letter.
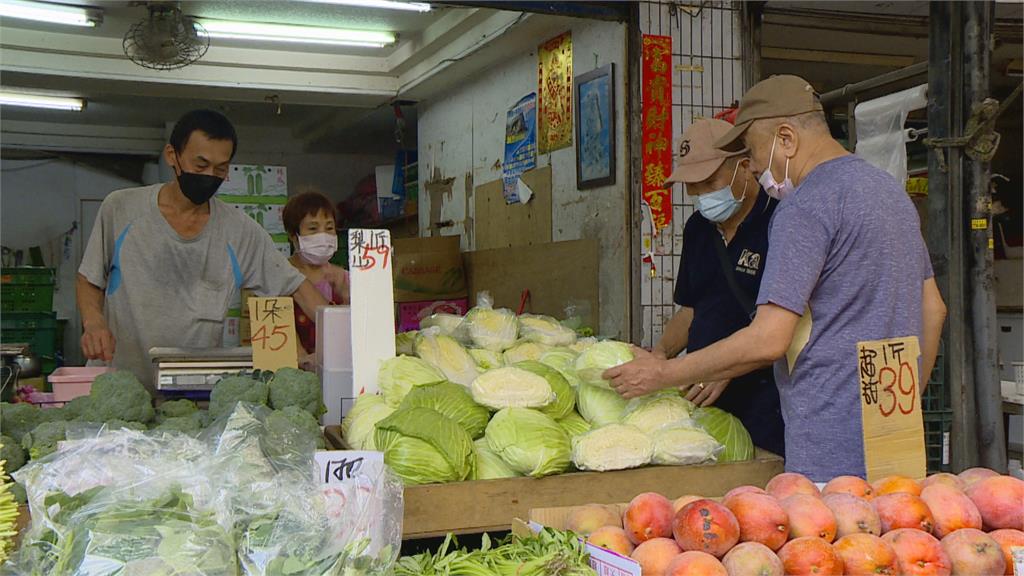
x: 724, y: 249
x: 847, y: 264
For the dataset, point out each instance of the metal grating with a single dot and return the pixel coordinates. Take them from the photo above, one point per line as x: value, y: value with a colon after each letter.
x: 707, y: 79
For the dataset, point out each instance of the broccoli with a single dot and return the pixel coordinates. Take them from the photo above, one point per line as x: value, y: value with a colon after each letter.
x: 292, y: 419
x: 235, y: 389
x: 292, y: 387
x: 175, y: 409
x: 78, y: 408
x: 119, y: 424
x: 19, y: 419
x: 43, y: 439
x: 13, y: 453
x: 119, y: 396
x: 18, y: 491
x: 189, y: 424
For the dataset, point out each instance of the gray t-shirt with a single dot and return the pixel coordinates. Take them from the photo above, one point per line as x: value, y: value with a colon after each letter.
x: 165, y: 290
x: 846, y: 248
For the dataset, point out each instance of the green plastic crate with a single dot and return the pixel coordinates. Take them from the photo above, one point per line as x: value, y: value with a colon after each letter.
x: 38, y: 329
x: 938, y: 426
x: 936, y: 396
x: 26, y: 289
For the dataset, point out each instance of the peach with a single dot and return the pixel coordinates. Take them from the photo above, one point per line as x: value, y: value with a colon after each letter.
x: 682, y: 501
x: 741, y: 490
x: 655, y: 555
x: 852, y: 485
x: 752, y: 558
x: 918, y: 553
x: 706, y: 526
x: 694, y: 563
x: 586, y: 519
x: 761, y: 519
x: 951, y: 480
x: 788, y: 483
x: 896, y: 484
x: 1000, y: 499
x: 1008, y: 538
x: 612, y: 538
x: 809, y: 555
x: 951, y: 508
x: 903, y: 510
x: 866, y: 554
x: 649, y: 515
x: 974, y: 553
x: 853, y: 515
x: 973, y: 475
x: 809, y: 516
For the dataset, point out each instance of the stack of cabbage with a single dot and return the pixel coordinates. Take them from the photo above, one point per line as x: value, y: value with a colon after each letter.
x: 493, y: 395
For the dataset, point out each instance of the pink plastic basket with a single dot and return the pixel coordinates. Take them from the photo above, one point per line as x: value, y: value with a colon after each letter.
x: 70, y: 383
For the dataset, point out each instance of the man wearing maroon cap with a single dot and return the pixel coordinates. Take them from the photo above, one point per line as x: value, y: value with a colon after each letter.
x: 724, y: 249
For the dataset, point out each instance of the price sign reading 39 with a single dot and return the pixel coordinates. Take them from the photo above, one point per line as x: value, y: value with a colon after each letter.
x: 888, y: 379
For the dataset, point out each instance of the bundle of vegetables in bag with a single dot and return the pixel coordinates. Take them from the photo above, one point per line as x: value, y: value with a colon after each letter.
x: 447, y: 355
x: 596, y: 358
x: 490, y: 328
x: 525, y: 350
x: 545, y: 330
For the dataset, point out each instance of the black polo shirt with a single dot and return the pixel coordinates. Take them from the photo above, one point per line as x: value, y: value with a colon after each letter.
x: 717, y: 314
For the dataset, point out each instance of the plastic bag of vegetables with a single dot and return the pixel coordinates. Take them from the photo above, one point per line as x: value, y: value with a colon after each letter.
x: 423, y: 446
x: 681, y: 444
x: 397, y: 376
x: 612, y: 447
x: 593, y: 361
x: 447, y: 324
x: 651, y: 412
x: 545, y: 330
x: 490, y: 328
x: 447, y: 355
x: 530, y: 442
x: 524, y: 350
x: 728, y: 431
x: 487, y: 359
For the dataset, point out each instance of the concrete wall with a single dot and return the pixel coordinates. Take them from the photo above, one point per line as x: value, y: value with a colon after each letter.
x: 461, y: 136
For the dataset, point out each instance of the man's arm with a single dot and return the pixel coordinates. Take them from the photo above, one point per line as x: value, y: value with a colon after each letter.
x: 97, y: 340
x: 675, y: 335
x: 933, y: 311
x: 309, y: 299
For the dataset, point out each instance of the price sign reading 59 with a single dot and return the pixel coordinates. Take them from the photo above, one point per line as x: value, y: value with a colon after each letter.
x: 369, y: 249
x: 273, y: 333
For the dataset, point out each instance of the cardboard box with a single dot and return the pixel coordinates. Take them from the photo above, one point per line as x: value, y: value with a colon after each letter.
x: 428, y: 269
x: 409, y: 314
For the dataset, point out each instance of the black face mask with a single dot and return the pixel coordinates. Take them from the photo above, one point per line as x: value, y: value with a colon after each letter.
x: 198, y: 188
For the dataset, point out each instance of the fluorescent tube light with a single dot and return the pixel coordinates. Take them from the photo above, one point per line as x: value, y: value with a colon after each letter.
x: 295, y: 34
x: 39, y: 101
x: 382, y: 4
x: 53, y: 13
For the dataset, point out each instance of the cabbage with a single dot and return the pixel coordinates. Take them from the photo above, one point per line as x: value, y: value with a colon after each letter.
x: 490, y: 466
x: 486, y: 359
x: 582, y: 344
x: 563, y: 360
x: 423, y: 447
x: 405, y: 343
x: 574, y: 424
x: 729, y: 432
x: 525, y: 351
x: 545, y: 330
x: 679, y: 444
x: 445, y: 354
x: 648, y: 413
x: 453, y: 401
x: 492, y: 329
x: 397, y: 376
x: 599, y: 406
x: 512, y: 387
x: 358, y: 426
x: 593, y: 361
x: 565, y: 397
x: 530, y: 442
x: 612, y: 447
x: 446, y: 324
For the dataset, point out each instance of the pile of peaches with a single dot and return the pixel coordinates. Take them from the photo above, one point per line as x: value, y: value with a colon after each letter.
x: 943, y: 525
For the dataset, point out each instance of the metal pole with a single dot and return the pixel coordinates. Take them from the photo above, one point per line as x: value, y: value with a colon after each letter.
x: 635, y: 222
x: 849, y: 91
x: 991, y: 436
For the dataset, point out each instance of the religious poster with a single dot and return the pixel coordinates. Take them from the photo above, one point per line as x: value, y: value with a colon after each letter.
x: 657, y: 127
x: 554, y: 93
x: 520, y: 145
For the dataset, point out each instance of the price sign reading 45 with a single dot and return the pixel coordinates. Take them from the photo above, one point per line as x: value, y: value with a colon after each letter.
x: 273, y: 333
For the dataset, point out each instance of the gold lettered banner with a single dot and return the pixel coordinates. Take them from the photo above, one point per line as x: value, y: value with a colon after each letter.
x: 890, y: 396
x: 554, y: 94
x: 656, y: 154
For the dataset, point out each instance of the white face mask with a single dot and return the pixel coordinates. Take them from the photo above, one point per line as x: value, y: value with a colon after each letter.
x: 767, y: 181
x: 317, y: 249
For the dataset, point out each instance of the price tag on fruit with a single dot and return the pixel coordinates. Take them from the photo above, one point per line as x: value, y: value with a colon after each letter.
x: 890, y: 393
x: 273, y: 333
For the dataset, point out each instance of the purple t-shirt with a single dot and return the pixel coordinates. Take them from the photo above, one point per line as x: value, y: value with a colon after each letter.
x: 846, y: 245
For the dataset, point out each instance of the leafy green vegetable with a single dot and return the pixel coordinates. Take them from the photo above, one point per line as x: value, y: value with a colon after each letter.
x: 530, y: 442
x: 525, y: 351
x: 13, y: 453
x: 512, y: 387
x: 405, y: 343
x: 453, y: 401
x: 19, y: 419
x: 119, y: 396
x: 680, y: 444
x: 490, y: 466
x: 487, y: 359
x: 565, y: 397
x: 563, y: 360
x: 593, y: 361
x: 79, y: 408
x: 728, y: 431
x: 398, y: 375
x: 43, y: 439
x: 492, y: 329
x: 574, y: 424
x: 424, y: 447
x: 445, y: 354
x: 293, y: 387
x: 176, y: 408
x: 599, y: 406
x: 359, y: 426
x: 234, y: 389
x: 545, y: 330
x: 648, y: 413
x: 612, y: 447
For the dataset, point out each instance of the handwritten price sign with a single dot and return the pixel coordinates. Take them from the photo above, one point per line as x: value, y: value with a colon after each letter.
x: 369, y: 250
x: 273, y: 333
x: 889, y: 377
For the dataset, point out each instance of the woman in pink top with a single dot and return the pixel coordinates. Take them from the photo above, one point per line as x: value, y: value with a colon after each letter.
x: 309, y: 221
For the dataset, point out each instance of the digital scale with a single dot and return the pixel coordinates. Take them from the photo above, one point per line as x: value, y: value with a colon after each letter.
x: 197, y: 369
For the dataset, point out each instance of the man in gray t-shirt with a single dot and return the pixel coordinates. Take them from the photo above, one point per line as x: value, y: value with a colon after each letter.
x: 164, y: 261
x: 846, y: 264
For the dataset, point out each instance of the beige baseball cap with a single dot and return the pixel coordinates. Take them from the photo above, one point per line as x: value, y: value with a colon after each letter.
x: 698, y: 158
x: 777, y: 97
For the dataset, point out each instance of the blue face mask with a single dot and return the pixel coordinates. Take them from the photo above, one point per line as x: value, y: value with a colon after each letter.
x: 720, y: 205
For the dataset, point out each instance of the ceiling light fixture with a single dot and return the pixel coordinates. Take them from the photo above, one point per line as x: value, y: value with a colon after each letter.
x: 39, y: 101
x: 382, y: 4
x: 295, y: 34
x: 52, y: 13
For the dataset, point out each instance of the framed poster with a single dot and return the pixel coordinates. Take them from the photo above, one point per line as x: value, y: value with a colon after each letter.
x: 595, y: 128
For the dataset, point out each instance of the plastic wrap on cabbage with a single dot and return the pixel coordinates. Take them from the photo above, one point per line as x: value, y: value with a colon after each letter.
x: 582, y: 344
x: 565, y: 396
x: 360, y: 424
x: 424, y: 447
x: 592, y: 362
x: 545, y: 330
x: 574, y: 424
x: 487, y: 359
x: 445, y: 354
x: 728, y: 431
x: 405, y: 343
x: 491, y: 328
x: 531, y: 443
x: 681, y: 444
x: 563, y: 360
x: 397, y: 376
x: 446, y: 324
x: 599, y: 406
x: 490, y: 466
x: 651, y: 412
x: 512, y: 387
x: 453, y: 401
x: 524, y: 350
x: 612, y: 447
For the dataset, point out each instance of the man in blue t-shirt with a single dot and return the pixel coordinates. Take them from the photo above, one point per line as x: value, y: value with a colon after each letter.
x: 847, y: 264
x: 724, y: 249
